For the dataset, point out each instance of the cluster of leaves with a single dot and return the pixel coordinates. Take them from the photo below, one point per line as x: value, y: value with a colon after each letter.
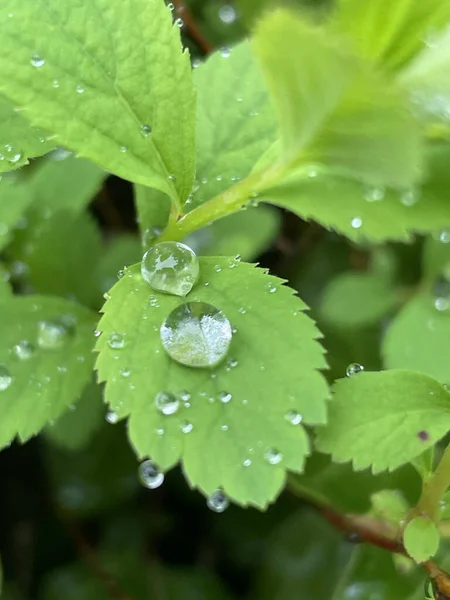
x: 339, y: 115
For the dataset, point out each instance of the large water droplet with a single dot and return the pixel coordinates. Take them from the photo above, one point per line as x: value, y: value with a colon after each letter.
x: 273, y: 456
x: 149, y: 475
x: 53, y: 334
x: 37, y: 60
x: 294, y: 417
x: 170, y: 267
x: 116, y: 340
x: 5, y: 378
x: 24, y: 350
x: 167, y: 403
x: 353, y: 369
x: 218, y: 501
x: 196, y: 334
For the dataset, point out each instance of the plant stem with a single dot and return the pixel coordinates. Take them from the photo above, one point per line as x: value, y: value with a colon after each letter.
x: 434, y: 488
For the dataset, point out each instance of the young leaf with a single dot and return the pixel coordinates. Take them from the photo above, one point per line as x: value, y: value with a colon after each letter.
x: 235, y: 120
x: 270, y: 381
x: 121, y: 252
x: 419, y: 338
x: 357, y: 300
x: 110, y: 80
x: 15, y: 199
x: 421, y: 539
x: 153, y: 209
x: 46, y: 359
x: 19, y: 141
x: 307, y: 73
x: 388, y: 32
x: 385, y: 418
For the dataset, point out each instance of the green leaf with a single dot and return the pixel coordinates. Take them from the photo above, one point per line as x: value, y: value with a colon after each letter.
x: 121, y: 252
x: 419, y: 339
x: 153, y: 209
x: 277, y: 358
x: 356, y: 300
x: 247, y: 233
x: 306, y: 73
x: 101, y: 76
x: 436, y: 256
x: 366, y: 213
x: 389, y: 33
x: 18, y: 140
x: 421, y: 538
x: 74, y: 429
x: 5, y: 288
x: 235, y: 120
x: 14, y: 201
x: 44, y: 384
x: 372, y: 573
x: 384, y: 419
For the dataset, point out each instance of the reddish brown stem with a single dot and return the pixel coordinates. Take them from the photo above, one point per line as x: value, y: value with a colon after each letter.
x: 192, y: 27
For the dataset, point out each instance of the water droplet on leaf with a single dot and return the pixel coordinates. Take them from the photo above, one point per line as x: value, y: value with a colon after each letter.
x: 24, y: 350
x: 227, y: 14
x: 247, y: 462
x: 167, y: 403
x: 218, y: 501
x: 294, y: 417
x: 441, y: 292
x: 79, y: 89
x: 186, y: 427
x: 273, y: 456
x: 111, y: 417
x: 5, y: 378
x: 353, y: 369
x: 149, y: 475
x: 225, y: 397
x: 170, y: 267
x: 116, y: 340
x: 53, y: 334
x: 196, y: 334
x: 356, y: 222
x: 37, y: 60
x: 146, y: 130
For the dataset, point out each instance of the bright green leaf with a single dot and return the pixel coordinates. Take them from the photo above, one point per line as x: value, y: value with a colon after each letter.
x: 122, y: 251
x: 18, y: 140
x: 153, y: 209
x: 389, y: 505
x: 14, y: 201
x: 306, y: 72
x: 356, y: 300
x: 384, y: 419
x: 247, y: 233
x: 276, y: 356
x: 235, y: 120
x: 74, y: 429
x: 419, y: 339
x: 387, y: 32
x: 110, y: 80
x: 421, y: 539
x: 46, y: 382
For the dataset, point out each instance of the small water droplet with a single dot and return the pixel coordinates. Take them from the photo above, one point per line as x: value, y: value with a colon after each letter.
x: 441, y: 292
x: 53, y: 334
x: 186, y: 427
x: 5, y: 378
x: 37, y: 60
x: 242, y: 310
x: 271, y: 288
x: 444, y: 236
x: 227, y: 14
x: 121, y: 274
x: 247, y: 462
x: 232, y: 363
x: 410, y: 197
x: 374, y: 194
x: 225, y: 52
x: 273, y: 456
x: 149, y: 475
x: 11, y: 154
x: 179, y: 22
x: 123, y: 149
x: 294, y: 417
x: 116, y: 340
x: 217, y: 268
x: 354, y: 369
x: 196, y: 334
x: 111, y: 417
x: 146, y: 130
x: 218, y: 501
x: 224, y: 427
x: 185, y: 396
x: 55, y: 84
x: 225, y: 397
x: 24, y: 350
x: 160, y: 431
x: 170, y: 267
x: 125, y: 372
x: 167, y: 403
x: 79, y: 89
x: 153, y: 301
x: 356, y: 222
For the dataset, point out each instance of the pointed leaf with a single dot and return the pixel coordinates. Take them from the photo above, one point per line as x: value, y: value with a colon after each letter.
x: 15, y: 198
x: 110, y: 80
x: 421, y: 539
x: 271, y: 370
x: 385, y: 418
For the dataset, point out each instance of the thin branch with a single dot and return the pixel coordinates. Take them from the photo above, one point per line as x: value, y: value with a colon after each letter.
x: 192, y: 27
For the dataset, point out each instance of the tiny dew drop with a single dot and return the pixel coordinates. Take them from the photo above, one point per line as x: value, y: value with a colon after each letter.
x: 225, y: 52
x: 167, y: 403
x: 53, y: 334
x: 353, y: 369
x: 23, y: 350
x: 196, y: 334
x: 271, y: 288
x: 170, y: 267
x: 111, y: 417
x: 12, y: 155
x: 293, y: 417
x: 444, y: 236
x: 410, y: 197
x: 441, y: 293
x: 356, y: 222
x: 374, y: 194
x: 273, y: 456
x: 116, y: 340
x: 125, y: 372
x: 247, y: 462
x: 218, y: 501
x: 37, y: 60
x: 5, y: 378
x: 227, y: 14
x: 185, y: 396
x: 225, y: 397
x: 149, y: 475
x: 186, y: 427
x: 79, y: 89
x: 146, y: 130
